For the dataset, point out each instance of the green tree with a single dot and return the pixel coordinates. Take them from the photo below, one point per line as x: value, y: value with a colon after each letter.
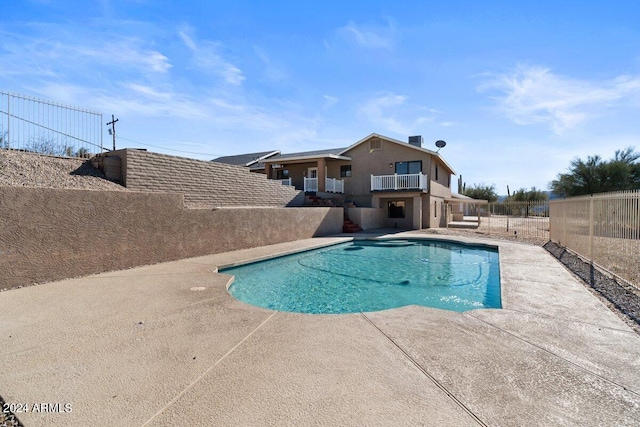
x: 482, y: 192
x: 595, y: 175
x: 533, y: 195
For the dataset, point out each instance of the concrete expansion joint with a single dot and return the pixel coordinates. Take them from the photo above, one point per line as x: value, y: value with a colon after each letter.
x: 595, y: 325
x: 427, y: 374
x: 610, y: 381
x: 204, y: 374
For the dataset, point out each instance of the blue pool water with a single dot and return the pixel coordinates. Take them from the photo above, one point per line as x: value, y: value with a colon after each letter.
x: 373, y: 275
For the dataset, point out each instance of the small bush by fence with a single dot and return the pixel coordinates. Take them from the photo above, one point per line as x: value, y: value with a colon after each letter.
x: 603, y: 229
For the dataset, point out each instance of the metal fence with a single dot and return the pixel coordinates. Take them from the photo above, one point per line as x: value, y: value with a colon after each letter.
x: 525, y: 220
x: 45, y: 127
x: 602, y: 228
x: 517, y: 219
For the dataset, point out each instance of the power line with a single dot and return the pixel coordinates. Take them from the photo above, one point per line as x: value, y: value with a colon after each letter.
x: 112, y: 131
x: 169, y: 149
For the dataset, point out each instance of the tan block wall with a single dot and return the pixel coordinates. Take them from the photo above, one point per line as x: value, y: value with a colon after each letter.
x: 203, y: 183
x: 50, y: 234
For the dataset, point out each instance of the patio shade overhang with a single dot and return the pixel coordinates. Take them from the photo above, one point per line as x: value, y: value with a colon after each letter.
x: 466, y: 201
x: 461, y: 198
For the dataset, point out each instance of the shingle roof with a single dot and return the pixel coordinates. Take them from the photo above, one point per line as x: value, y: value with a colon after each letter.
x: 243, y: 159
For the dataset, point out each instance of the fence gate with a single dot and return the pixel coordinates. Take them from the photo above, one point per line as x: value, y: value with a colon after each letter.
x: 45, y: 127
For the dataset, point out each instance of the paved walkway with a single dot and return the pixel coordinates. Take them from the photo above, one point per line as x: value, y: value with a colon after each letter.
x: 167, y: 345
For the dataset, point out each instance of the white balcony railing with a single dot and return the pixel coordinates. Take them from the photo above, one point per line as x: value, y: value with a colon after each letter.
x: 285, y: 181
x: 413, y: 181
x: 311, y: 184
x: 332, y: 185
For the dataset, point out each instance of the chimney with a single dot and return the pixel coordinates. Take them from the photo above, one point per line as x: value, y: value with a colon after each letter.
x: 416, y: 140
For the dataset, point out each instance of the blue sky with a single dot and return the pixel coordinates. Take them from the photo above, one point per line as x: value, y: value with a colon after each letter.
x: 516, y: 89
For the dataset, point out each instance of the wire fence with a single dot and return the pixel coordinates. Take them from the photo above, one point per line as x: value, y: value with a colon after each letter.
x: 603, y: 229
x: 45, y: 127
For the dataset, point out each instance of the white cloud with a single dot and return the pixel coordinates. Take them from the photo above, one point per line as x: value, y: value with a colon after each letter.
x: 188, y: 41
x: 206, y: 56
x: 56, y: 53
x: 369, y: 36
x: 393, y: 113
x: 329, y: 101
x: 532, y: 95
x: 271, y: 71
x: 126, y: 51
x: 148, y: 91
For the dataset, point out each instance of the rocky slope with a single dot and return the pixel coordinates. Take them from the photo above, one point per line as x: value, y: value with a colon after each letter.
x: 22, y: 169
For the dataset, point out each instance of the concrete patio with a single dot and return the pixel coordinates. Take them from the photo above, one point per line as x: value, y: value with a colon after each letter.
x: 167, y: 345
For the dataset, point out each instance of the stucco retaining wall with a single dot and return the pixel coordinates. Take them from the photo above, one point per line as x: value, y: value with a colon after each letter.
x: 50, y: 234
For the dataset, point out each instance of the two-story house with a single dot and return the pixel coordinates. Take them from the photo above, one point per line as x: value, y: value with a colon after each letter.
x: 392, y: 183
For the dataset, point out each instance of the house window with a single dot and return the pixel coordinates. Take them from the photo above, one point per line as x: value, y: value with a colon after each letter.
x: 403, y: 168
x: 375, y: 144
x: 282, y: 174
x: 345, y: 170
x: 436, y: 172
x: 435, y: 209
x: 395, y: 209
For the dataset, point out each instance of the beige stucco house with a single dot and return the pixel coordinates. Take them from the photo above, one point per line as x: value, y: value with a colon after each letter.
x: 390, y: 182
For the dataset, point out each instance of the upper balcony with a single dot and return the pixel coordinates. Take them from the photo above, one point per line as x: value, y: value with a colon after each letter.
x: 412, y: 181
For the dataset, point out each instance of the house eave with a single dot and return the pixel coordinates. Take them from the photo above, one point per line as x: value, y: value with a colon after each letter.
x: 266, y: 156
x: 304, y: 159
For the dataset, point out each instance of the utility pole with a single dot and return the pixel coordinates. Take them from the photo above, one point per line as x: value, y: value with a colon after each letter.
x: 112, y: 131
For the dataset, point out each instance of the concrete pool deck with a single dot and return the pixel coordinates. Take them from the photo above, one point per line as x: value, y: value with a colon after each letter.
x: 167, y: 345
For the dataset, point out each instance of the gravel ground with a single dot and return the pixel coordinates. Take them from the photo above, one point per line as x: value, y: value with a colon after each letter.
x: 7, y: 418
x: 620, y: 297
x: 20, y: 169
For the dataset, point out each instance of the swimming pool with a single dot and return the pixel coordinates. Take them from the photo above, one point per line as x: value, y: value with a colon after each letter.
x: 373, y: 275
